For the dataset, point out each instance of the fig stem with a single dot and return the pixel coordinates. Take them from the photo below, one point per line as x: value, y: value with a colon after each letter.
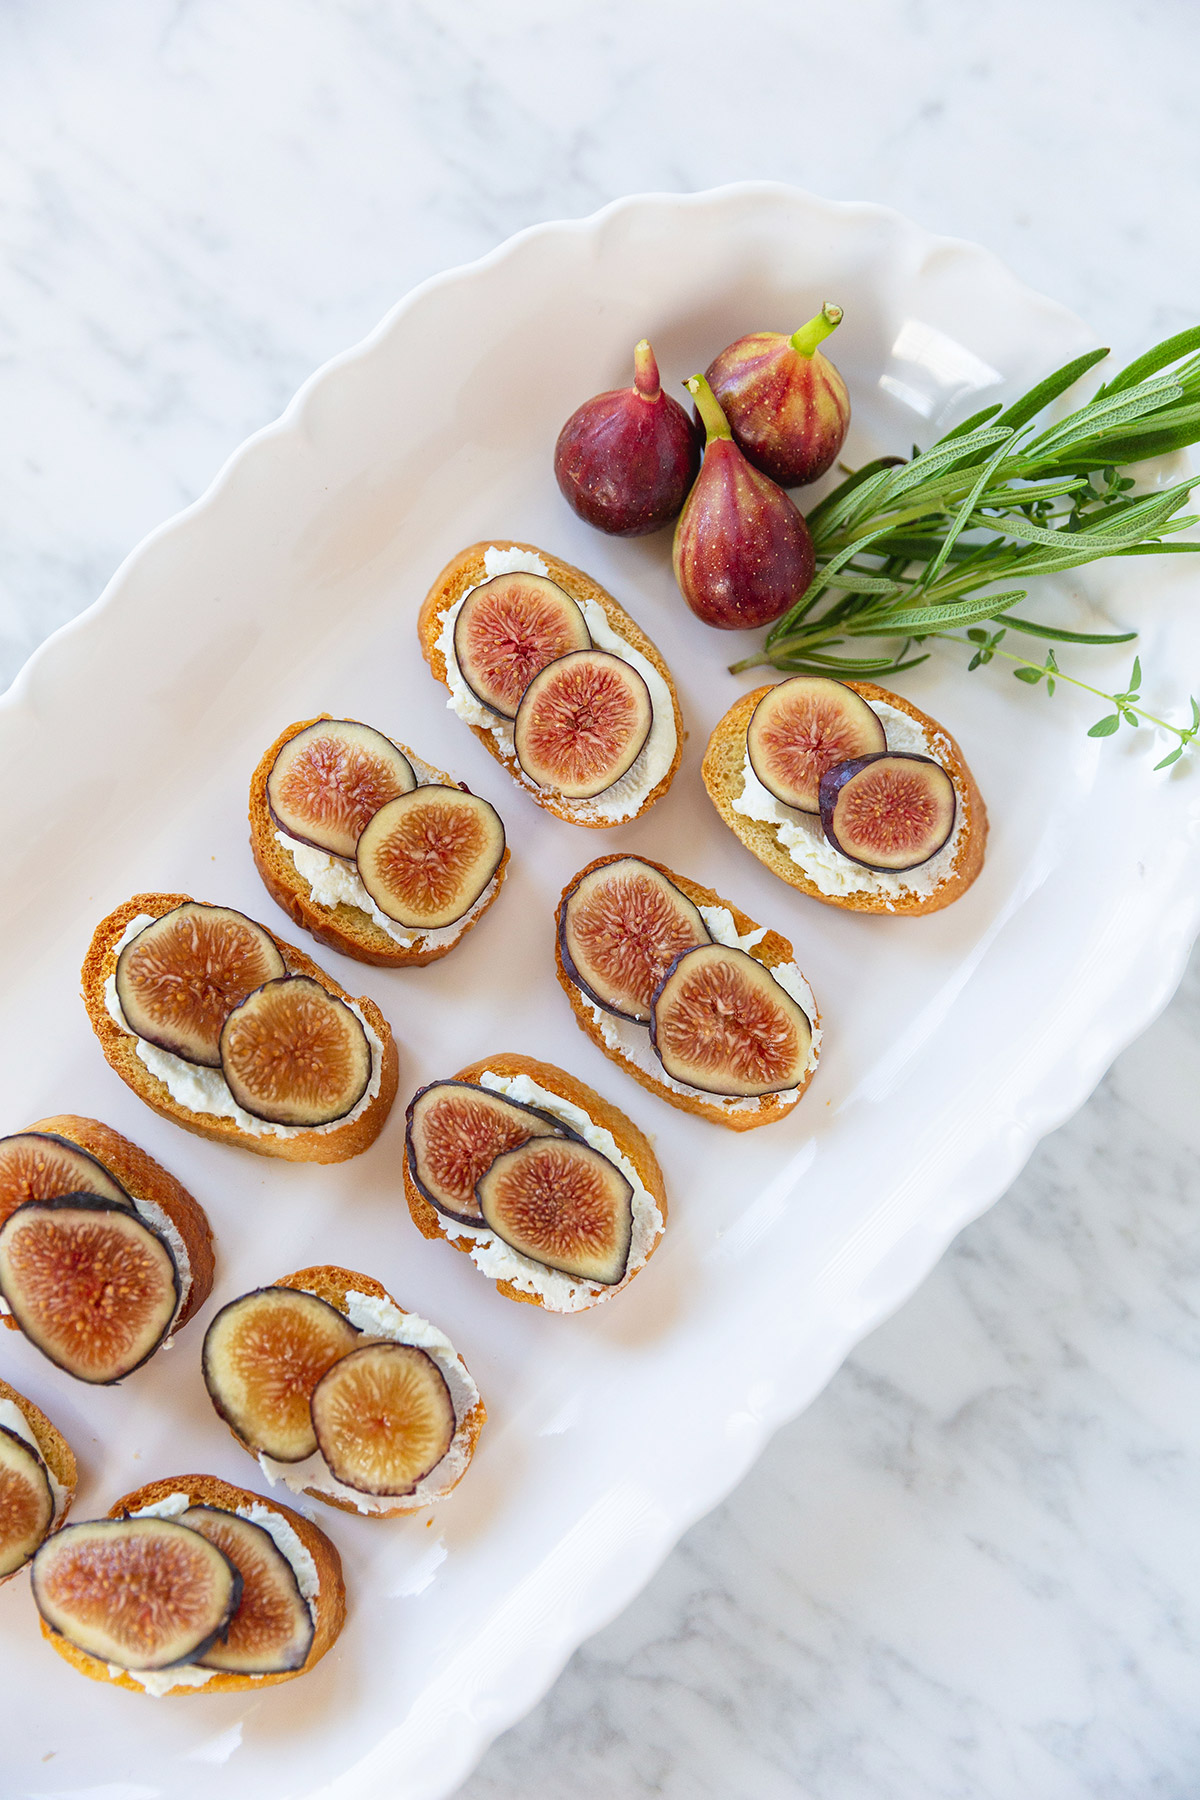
x: 716, y: 425
x: 805, y: 340
x: 646, y: 383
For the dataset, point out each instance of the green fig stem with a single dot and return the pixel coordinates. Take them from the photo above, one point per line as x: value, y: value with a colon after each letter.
x: 805, y: 340
x: 716, y: 425
x: 645, y: 372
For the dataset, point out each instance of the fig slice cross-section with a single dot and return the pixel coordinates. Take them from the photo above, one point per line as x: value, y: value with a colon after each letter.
x: 141, y: 1593
x: 26, y: 1501
x: 455, y: 1133
x: 180, y: 978
x: 383, y: 1417
x: 294, y: 1054
x: 564, y: 1205
x: 507, y: 630
x: 264, y: 1353
x: 37, y: 1165
x: 888, y: 812
x: 272, y: 1629
x: 802, y: 727
x: 332, y: 777
x: 620, y: 928
x: 89, y: 1283
x: 722, y: 1023
x: 427, y: 857
x: 582, y: 723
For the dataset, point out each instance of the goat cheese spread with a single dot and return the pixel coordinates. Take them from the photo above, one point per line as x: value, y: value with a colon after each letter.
x: 380, y: 1318
x: 158, y: 1220
x: 12, y: 1416
x: 161, y: 1681
x: 804, y: 840
x: 633, y: 1039
x: 557, y: 1291
x: 203, y: 1090
x: 623, y: 798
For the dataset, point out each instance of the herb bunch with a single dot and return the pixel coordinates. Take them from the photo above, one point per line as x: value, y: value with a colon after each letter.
x: 935, y: 547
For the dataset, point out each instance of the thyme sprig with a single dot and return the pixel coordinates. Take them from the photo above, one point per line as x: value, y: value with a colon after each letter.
x: 932, y: 547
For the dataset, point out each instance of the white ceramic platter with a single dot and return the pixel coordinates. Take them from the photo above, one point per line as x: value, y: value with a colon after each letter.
x: 953, y: 1041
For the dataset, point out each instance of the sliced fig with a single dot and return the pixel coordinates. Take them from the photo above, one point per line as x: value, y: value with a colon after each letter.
x: 559, y: 1202
x: 332, y: 777
x: 89, y: 1283
x: 426, y: 857
x: 294, y: 1054
x: 141, y: 1593
x: 456, y: 1132
x: 263, y: 1355
x: 803, y: 727
x: 582, y: 723
x: 26, y: 1501
x: 37, y: 1165
x: 507, y: 630
x: 888, y: 812
x: 383, y: 1417
x: 272, y: 1629
x: 722, y: 1023
x: 180, y: 978
x: 620, y: 927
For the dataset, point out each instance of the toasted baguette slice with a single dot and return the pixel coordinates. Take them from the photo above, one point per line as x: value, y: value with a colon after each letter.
x: 628, y: 1139
x: 144, y: 1179
x: 54, y: 1451
x: 313, y: 1145
x: 723, y: 771
x: 333, y: 1284
x: 467, y: 570
x: 345, y: 928
x: 770, y: 951
x: 208, y: 1490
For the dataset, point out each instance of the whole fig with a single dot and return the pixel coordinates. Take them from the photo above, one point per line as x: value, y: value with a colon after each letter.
x: 742, y: 552
x: 786, y: 404
x: 626, y: 459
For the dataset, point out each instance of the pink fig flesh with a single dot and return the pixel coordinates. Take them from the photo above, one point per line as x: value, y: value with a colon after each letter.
x: 625, y: 459
x: 802, y: 727
x: 742, y: 553
x: 888, y: 812
x: 786, y: 403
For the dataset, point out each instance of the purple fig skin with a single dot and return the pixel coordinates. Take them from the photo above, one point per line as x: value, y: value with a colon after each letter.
x: 742, y: 554
x: 786, y: 403
x: 626, y: 459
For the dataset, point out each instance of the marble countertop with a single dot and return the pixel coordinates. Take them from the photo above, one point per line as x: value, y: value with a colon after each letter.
x: 972, y: 1568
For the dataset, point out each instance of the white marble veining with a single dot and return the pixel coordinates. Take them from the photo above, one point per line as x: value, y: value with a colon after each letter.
x: 970, y: 1570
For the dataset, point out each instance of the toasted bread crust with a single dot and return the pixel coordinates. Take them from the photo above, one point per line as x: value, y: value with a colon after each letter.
x: 120, y: 1050
x: 209, y: 1490
x: 627, y: 1137
x: 146, y: 1180
x: 770, y: 951
x: 467, y: 570
x: 332, y: 1284
x: 722, y: 770
x: 55, y: 1452
x: 344, y: 928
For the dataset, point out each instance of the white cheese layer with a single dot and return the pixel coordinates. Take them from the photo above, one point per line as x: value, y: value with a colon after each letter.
x: 804, y: 840
x: 556, y: 1291
x: 633, y: 1039
x: 622, y: 800
x: 381, y: 1319
x: 203, y: 1090
x: 333, y: 883
x: 160, y: 1221
x: 287, y: 1541
x: 12, y: 1416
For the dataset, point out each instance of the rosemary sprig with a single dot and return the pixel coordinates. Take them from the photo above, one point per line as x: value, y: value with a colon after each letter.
x: 909, y: 551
